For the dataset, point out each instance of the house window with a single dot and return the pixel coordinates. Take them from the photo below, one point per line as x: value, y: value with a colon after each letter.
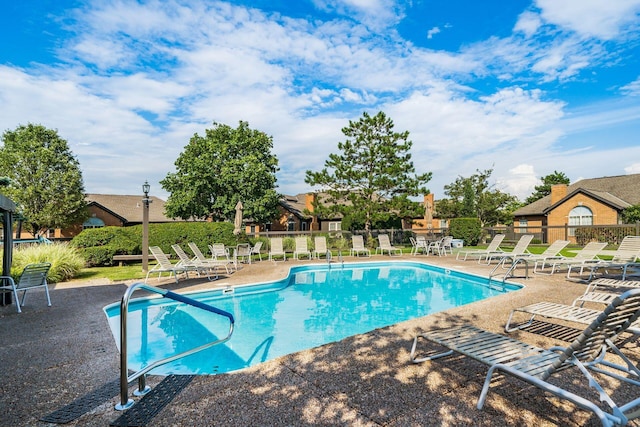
x: 291, y: 224
x: 443, y: 224
x: 524, y: 224
x: 580, y: 215
x: 93, y: 222
x: 335, y: 226
x: 304, y: 226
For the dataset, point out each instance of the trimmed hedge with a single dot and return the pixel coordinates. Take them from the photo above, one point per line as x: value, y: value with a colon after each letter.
x: 467, y: 229
x: 99, y: 245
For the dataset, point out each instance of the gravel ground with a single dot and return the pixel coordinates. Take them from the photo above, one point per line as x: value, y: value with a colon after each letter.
x: 54, y: 355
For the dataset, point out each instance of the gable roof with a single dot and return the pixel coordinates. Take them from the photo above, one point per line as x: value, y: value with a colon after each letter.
x: 618, y: 192
x: 129, y: 208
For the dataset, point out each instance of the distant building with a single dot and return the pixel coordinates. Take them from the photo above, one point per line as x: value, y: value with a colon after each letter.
x: 113, y: 210
x: 595, y: 201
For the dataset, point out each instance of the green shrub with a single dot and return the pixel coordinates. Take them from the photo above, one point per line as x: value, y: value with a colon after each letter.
x: 99, y: 245
x: 65, y: 260
x: 467, y: 229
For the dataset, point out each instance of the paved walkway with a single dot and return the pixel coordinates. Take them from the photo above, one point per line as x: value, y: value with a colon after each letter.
x: 52, y: 356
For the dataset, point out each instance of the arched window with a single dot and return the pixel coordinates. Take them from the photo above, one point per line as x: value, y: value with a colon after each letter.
x: 93, y: 222
x: 580, y: 215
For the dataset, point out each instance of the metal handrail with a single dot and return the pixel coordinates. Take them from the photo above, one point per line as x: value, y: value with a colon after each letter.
x: 125, y: 402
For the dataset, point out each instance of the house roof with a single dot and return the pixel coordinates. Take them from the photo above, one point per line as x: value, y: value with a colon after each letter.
x: 618, y: 192
x: 129, y: 208
x: 297, y: 204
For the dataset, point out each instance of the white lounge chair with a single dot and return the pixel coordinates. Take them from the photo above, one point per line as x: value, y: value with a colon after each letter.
x: 357, y: 246
x: 193, y: 264
x: 384, y: 244
x: 626, y: 255
x: 492, y: 248
x: 551, y: 253
x: 584, y: 256
x: 319, y: 246
x: 519, y: 250
x: 603, y: 291
x: 164, y: 265
x: 301, y: 248
x: 276, y: 249
x: 214, y: 263
x: 32, y: 276
x: 535, y: 365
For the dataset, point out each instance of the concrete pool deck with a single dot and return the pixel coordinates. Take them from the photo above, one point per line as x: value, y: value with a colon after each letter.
x: 54, y: 355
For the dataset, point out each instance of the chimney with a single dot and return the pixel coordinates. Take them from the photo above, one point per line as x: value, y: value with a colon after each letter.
x: 309, y: 199
x: 558, y: 192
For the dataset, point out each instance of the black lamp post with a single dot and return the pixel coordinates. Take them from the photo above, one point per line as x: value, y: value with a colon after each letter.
x: 145, y: 226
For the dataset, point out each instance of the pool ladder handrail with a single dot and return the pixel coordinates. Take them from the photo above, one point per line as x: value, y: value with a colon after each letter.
x: 511, y: 269
x: 125, y: 379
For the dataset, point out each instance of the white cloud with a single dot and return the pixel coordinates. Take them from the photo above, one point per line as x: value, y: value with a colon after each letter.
x: 432, y: 32
x: 632, y: 168
x: 603, y: 19
x: 632, y: 89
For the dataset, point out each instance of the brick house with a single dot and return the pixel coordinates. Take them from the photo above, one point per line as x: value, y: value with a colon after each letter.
x: 114, y: 210
x: 595, y: 201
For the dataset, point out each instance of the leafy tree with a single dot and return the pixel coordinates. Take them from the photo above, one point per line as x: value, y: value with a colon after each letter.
x: 45, y: 178
x: 631, y: 214
x: 372, y: 179
x: 545, y: 189
x: 473, y: 196
x: 217, y: 170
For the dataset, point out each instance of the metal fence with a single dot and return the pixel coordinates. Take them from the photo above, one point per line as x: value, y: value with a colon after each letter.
x: 580, y: 235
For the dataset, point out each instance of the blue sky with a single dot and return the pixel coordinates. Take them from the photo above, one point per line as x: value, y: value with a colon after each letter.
x: 523, y: 87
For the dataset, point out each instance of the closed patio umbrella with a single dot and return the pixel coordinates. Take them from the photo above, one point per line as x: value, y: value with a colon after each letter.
x: 237, y: 222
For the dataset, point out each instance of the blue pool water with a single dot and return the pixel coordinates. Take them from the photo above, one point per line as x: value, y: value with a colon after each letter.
x: 315, y: 305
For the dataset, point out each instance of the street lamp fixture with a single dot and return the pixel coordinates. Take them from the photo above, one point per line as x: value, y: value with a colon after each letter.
x: 145, y: 226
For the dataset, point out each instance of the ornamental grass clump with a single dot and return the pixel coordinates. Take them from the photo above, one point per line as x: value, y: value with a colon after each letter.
x: 65, y: 261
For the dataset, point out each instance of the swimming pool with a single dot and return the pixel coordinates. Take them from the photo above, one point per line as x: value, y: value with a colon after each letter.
x: 314, y: 305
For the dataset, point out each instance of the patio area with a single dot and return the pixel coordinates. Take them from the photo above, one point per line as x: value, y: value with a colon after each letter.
x: 55, y: 355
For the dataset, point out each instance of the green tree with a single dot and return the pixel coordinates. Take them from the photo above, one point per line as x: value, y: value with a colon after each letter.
x: 631, y: 214
x: 373, y: 178
x: 545, y: 189
x: 487, y: 204
x: 45, y: 178
x: 217, y: 170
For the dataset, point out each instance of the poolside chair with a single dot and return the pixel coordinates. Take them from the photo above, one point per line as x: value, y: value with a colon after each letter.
x: 384, y: 244
x: 492, y: 248
x: 276, y: 249
x: 301, y: 248
x: 214, y: 263
x: 33, y: 276
x: 357, y: 246
x: 193, y: 264
x: 220, y: 253
x: 583, y: 257
x: 164, y: 265
x: 519, y: 250
x: 536, y: 365
x: 255, y: 249
x: 441, y: 246
x: 626, y: 255
x: 421, y: 245
x: 320, y: 246
x: 242, y: 254
x: 551, y: 253
x: 603, y: 291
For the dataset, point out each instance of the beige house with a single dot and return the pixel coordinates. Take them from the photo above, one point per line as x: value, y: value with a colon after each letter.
x: 595, y: 201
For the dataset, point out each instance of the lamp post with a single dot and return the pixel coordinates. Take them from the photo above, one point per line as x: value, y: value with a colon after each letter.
x: 145, y: 226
